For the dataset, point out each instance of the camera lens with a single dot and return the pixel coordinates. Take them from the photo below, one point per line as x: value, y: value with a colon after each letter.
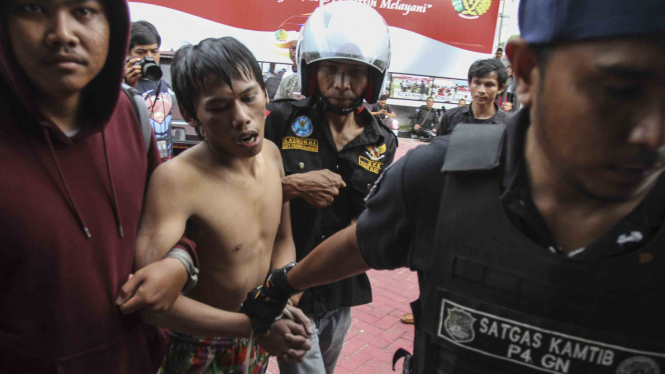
x: 150, y: 69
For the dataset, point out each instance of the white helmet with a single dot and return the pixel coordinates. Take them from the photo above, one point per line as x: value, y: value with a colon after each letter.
x: 344, y: 30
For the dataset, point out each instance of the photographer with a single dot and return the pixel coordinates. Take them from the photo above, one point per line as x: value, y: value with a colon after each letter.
x: 142, y: 72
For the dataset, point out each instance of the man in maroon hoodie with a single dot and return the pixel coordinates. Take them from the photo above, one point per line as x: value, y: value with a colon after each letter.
x: 73, y: 176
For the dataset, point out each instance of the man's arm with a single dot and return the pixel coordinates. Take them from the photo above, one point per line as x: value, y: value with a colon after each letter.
x: 318, y: 187
x: 284, y: 249
x: 162, y: 225
x: 335, y: 259
x: 286, y: 339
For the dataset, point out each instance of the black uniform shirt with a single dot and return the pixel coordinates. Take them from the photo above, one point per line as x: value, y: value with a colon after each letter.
x: 464, y: 114
x: 300, y: 131
x: 398, y: 227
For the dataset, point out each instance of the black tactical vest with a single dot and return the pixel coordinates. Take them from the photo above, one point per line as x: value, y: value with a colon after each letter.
x: 496, y: 302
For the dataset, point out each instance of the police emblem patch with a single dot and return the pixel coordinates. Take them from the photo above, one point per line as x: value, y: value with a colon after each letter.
x: 459, y: 325
x: 302, y: 127
x: 638, y: 365
x: 376, y: 153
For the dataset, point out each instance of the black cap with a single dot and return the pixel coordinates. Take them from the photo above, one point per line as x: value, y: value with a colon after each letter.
x: 553, y: 21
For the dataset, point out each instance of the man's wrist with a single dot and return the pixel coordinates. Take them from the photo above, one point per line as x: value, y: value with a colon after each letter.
x: 277, y: 285
x: 290, y: 188
x: 186, y: 260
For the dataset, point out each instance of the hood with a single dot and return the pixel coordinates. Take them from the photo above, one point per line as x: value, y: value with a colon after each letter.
x: 100, y: 96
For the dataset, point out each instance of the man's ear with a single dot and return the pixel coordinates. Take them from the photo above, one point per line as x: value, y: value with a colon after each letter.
x: 265, y: 92
x: 525, y: 69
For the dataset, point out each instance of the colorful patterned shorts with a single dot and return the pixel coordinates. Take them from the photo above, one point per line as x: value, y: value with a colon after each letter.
x: 190, y: 354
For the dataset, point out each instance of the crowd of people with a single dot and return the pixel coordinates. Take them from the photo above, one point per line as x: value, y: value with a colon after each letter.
x: 530, y: 233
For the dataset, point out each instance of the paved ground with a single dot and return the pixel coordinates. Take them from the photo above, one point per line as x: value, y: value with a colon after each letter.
x: 376, y: 331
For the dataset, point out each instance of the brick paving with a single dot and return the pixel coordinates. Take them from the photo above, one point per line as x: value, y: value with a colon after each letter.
x: 376, y: 331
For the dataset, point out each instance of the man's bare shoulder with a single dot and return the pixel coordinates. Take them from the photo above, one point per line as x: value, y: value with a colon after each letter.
x: 179, y: 172
x: 271, y: 152
x: 271, y: 148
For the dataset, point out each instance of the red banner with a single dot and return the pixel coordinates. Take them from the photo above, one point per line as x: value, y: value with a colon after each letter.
x: 466, y: 24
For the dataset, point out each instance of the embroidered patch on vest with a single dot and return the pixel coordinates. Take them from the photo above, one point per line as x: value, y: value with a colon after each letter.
x: 309, y: 145
x: 367, y: 164
x: 302, y: 127
x: 570, y: 350
x: 638, y: 365
x: 459, y: 325
x: 376, y: 153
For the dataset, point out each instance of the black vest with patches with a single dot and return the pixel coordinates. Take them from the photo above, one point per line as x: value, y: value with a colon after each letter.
x: 496, y: 302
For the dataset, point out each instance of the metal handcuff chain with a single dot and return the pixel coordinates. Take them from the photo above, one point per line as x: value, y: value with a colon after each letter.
x: 285, y: 314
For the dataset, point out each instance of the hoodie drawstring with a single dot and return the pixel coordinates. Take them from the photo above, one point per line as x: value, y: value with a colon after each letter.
x: 70, y: 198
x: 116, y: 208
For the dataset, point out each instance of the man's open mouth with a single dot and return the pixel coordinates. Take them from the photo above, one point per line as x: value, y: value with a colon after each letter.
x: 248, y: 137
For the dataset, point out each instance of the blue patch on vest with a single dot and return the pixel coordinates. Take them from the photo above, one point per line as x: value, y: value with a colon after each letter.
x: 302, y: 127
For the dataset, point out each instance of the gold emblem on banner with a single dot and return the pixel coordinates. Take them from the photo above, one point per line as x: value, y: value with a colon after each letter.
x: 471, y: 9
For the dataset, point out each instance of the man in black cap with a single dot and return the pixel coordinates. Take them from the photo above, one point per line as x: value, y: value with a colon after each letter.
x: 538, y: 244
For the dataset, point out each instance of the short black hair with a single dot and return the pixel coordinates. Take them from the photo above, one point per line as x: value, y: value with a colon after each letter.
x: 499, y: 49
x: 225, y: 57
x: 483, y: 68
x: 144, y: 33
x: 383, y: 97
x: 429, y: 98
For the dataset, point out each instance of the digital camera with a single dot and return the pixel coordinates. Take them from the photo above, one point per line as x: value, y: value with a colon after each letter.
x: 150, y: 69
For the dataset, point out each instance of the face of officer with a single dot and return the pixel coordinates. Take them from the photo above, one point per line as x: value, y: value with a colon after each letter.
x: 484, y: 89
x: 60, y: 45
x: 342, y: 83
x: 232, y: 119
x: 461, y: 102
x: 430, y: 103
x: 608, y: 142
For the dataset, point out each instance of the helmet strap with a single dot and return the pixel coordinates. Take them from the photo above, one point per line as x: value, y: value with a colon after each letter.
x: 327, y: 107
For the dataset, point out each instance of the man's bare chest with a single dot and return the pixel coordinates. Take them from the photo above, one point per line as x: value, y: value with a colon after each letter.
x: 232, y: 208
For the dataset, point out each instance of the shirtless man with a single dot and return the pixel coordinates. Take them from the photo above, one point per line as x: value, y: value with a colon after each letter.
x: 227, y: 191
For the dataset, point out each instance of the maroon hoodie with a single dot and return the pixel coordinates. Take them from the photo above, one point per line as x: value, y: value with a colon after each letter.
x: 68, y: 223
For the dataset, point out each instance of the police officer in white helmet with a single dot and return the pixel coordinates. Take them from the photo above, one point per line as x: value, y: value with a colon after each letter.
x: 333, y: 150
